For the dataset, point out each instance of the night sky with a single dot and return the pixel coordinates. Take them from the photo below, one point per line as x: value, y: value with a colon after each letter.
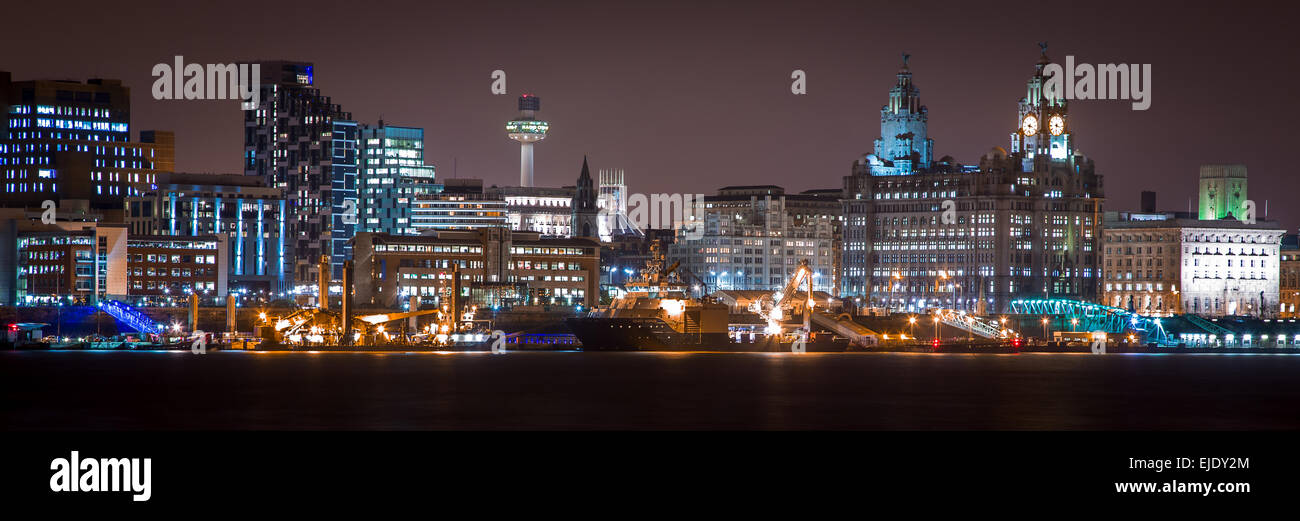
x: 692, y: 96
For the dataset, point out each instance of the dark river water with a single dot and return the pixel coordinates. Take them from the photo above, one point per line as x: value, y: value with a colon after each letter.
x: 572, y: 390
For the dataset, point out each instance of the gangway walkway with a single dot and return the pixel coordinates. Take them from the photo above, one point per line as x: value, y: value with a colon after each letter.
x: 968, y: 323
x: 1207, y: 325
x: 857, y: 334
x: 132, y: 317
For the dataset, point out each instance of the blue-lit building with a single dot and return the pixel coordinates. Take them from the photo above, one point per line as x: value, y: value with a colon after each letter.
x: 247, y: 215
x: 904, y: 146
x: 64, y: 140
x: 344, y: 172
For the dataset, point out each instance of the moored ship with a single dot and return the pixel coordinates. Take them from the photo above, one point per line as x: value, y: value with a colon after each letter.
x: 658, y: 313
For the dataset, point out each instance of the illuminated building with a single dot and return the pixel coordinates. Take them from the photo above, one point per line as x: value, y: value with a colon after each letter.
x: 301, y: 142
x: 1024, y: 222
x: 544, y: 210
x: 240, y: 208
x: 1181, y: 265
x: 1289, y: 277
x: 903, y: 147
x: 755, y: 236
x: 460, y: 205
x: 551, y: 211
x: 527, y: 130
x: 164, y: 270
x: 1222, y: 191
x: 66, y: 140
x: 391, y: 177
x: 612, y: 202
x: 344, y: 179
x: 90, y: 262
x: 82, y: 264
x: 390, y: 268
x: 1162, y: 263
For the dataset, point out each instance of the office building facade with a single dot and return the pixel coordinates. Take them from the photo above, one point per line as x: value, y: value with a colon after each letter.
x: 392, y: 178
x: 67, y: 140
x: 755, y: 236
x: 239, y: 208
x: 1289, y: 277
x: 391, y: 268
x: 1180, y: 265
x: 460, y: 204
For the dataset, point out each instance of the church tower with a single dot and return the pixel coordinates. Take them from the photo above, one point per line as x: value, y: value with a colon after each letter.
x: 904, y: 146
x: 585, y: 216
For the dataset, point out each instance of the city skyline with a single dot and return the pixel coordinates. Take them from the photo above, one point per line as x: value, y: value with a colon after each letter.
x: 719, y: 106
x: 247, y: 241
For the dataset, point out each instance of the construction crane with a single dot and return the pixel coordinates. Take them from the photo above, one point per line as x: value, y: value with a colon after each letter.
x: 843, y: 325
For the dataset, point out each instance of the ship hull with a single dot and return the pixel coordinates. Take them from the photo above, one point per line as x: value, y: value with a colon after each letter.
x: 646, y: 334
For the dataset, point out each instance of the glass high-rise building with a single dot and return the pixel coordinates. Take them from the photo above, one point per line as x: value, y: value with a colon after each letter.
x: 392, y: 177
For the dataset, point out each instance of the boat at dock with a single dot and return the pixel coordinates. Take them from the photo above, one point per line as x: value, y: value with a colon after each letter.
x: 657, y: 312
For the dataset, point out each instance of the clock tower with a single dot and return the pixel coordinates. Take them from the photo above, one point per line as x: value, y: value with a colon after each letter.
x: 1043, y: 122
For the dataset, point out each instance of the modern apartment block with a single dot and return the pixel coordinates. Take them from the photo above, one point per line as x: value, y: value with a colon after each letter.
x: 292, y: 139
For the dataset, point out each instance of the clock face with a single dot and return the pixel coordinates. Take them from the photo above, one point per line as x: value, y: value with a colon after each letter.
x: 1056, y: 125
x: 1030, y: 125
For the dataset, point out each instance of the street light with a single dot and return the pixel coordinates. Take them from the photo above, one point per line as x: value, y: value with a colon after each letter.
x: 911, y: 321
x: 1045, y: 328
x: 1073, y: 322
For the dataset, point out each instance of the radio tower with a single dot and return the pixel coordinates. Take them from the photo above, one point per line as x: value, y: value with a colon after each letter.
x: 527, y: 129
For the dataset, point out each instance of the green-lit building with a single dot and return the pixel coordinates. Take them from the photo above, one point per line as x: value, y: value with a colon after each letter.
x: 1223, y: 191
